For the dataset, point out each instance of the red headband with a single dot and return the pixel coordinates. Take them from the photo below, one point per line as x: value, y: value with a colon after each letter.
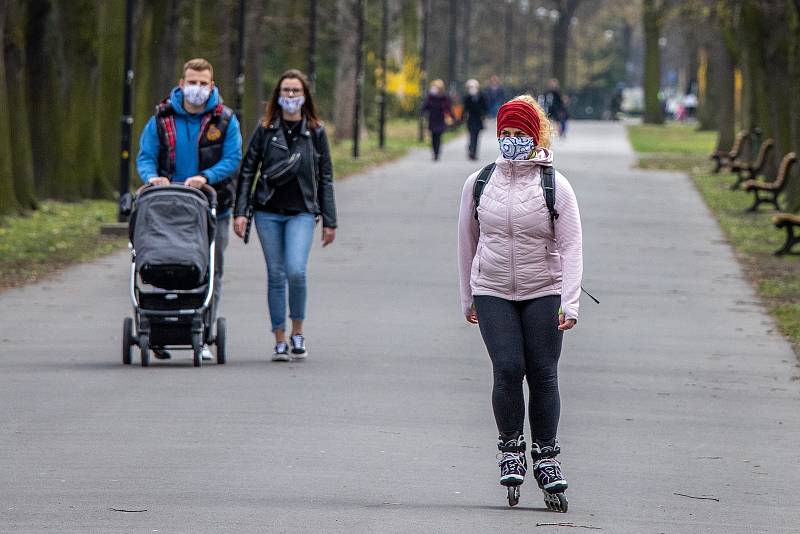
x: 521, y: 115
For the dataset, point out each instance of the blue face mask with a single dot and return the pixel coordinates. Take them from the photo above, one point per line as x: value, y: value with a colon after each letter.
x: 291, y: 104
x: 516, y: 147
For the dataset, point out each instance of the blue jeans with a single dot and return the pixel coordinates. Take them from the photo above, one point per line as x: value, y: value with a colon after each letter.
x: 286, y: 242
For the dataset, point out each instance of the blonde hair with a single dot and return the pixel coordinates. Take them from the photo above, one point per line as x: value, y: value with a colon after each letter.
x: 439, y: 84
x: 545, y: 129
x: 198, y: 64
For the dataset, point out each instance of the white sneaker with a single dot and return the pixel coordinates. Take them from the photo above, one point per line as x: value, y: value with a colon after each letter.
x: 281, y: 353
x: 205, y: 353
x: 299, y: 351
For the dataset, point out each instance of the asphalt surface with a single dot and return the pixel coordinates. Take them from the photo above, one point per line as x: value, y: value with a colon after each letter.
x: 677, y: 383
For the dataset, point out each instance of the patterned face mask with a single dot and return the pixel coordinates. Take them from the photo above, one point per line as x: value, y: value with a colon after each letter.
x: 196, y: 95
x: 291, y: 104
x: 516, y: 147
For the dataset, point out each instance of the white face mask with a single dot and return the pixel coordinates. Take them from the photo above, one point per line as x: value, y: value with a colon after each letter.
x: 196, y: 95
x: 516, y: 147
x: 291, y: 104
x: 473, y: 91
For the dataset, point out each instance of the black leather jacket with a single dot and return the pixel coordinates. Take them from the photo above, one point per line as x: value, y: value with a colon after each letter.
x: 268, y: 153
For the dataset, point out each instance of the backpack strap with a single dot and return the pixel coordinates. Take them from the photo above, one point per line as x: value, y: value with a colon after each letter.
x: 549, y: 190
x: 480, y: 183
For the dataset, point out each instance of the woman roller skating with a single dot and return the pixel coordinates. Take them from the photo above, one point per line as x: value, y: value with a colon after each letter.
x: 520, y: 263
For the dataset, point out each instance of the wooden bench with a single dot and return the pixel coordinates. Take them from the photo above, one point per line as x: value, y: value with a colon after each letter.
x: 768, y: 192
x: 788, y: 221
x: 724, y: 158
x: 746, y: 170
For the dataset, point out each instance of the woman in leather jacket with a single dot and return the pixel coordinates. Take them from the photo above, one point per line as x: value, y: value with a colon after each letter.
x: 286, y: 185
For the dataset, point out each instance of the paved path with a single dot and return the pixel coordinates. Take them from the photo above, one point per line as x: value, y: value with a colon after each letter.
x: 676, y: 383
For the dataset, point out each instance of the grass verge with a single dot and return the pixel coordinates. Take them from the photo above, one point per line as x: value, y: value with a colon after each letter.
x: 752, y: 235
x: 52, y: 237
x: 60, y: 234
x: 401, y: 136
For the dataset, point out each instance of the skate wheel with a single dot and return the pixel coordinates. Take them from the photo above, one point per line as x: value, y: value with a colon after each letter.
x: 513, y: 495
x: 556, y: 502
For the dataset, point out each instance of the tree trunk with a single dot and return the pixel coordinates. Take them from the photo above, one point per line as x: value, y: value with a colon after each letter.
x: 167, y: 62
x: 566, y: 9
x: 452, y: 44
x: 254, y: 91
x: 466, y: 24
x: 345, y: 89
x: 652, y: 63
x: 106, y: 133
x: 21, y: 157
x: 8, y: 198
x: 724, y: 81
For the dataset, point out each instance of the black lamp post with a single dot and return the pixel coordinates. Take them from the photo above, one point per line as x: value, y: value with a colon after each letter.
x: 423, y: 80
x: 384, y: 40
x: 312, y: 44
x: 359, y: 75
x: 127, y: 118
x: 240, y: 63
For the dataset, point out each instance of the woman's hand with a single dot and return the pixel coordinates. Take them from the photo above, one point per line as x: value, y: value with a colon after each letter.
x: 472, y: 316
x: 239, y: 225
x: 565, y: 324
x: 328, y: 235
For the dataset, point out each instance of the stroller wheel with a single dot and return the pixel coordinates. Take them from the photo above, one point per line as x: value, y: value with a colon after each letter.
x: 197, y: 349
x: 144, y: 348
x: 127, y: 340
x: 222, y: 335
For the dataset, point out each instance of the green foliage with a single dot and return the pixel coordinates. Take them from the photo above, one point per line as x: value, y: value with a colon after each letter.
x: 752, y: 235
x: 52, y: 238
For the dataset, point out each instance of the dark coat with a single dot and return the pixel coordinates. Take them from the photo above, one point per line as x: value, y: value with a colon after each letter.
x: 436, y: 107
x: 475, y: 110
x: 269, y: 152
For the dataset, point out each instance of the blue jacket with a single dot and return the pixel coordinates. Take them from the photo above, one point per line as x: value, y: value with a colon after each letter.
x: 187, y: 127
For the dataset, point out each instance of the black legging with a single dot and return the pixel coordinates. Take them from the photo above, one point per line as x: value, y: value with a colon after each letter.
x: 473, y: 141
x: 436, y: 141
x: 523, y: 339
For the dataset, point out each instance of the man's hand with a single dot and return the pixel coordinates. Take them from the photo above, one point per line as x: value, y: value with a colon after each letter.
x: 328, y: 235
x: 158, y: 180
x: 196, y: 181
x: 565, y: 324
x: 239, y: 226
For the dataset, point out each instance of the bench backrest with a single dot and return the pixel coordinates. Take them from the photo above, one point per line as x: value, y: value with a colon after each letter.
x: 763, y: 152
x: 738, y: 143
x: 783, y: 171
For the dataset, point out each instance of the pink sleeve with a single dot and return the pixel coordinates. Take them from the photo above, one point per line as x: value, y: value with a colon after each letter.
x: 570, y: 246
x: 468, y: 232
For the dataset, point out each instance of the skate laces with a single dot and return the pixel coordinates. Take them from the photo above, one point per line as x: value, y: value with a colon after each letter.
x: 511, y: 460
x: 549, y: 467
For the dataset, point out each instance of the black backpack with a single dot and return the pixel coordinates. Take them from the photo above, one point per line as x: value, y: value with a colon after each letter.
x: 548, y: 188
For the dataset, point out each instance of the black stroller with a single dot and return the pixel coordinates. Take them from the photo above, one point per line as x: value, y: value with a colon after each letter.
x: 172, y: 238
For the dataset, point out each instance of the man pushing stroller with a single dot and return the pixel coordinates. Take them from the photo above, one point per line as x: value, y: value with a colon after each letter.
x: 194, y: 139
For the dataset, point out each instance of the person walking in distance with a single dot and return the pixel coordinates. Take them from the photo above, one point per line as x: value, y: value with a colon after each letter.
x: 495, y: 95
x: 520, y: 266
x: 556, y: 106
x: 194, y: 139
x: 286, y: 179
x: 438, y: 109
x: 475, y: 109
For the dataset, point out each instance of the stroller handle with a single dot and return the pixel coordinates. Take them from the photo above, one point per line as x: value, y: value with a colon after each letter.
x: 210, y: 192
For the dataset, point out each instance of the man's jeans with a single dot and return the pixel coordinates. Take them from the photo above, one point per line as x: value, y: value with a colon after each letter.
x: 223, y: 232
x: 286, y: 242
